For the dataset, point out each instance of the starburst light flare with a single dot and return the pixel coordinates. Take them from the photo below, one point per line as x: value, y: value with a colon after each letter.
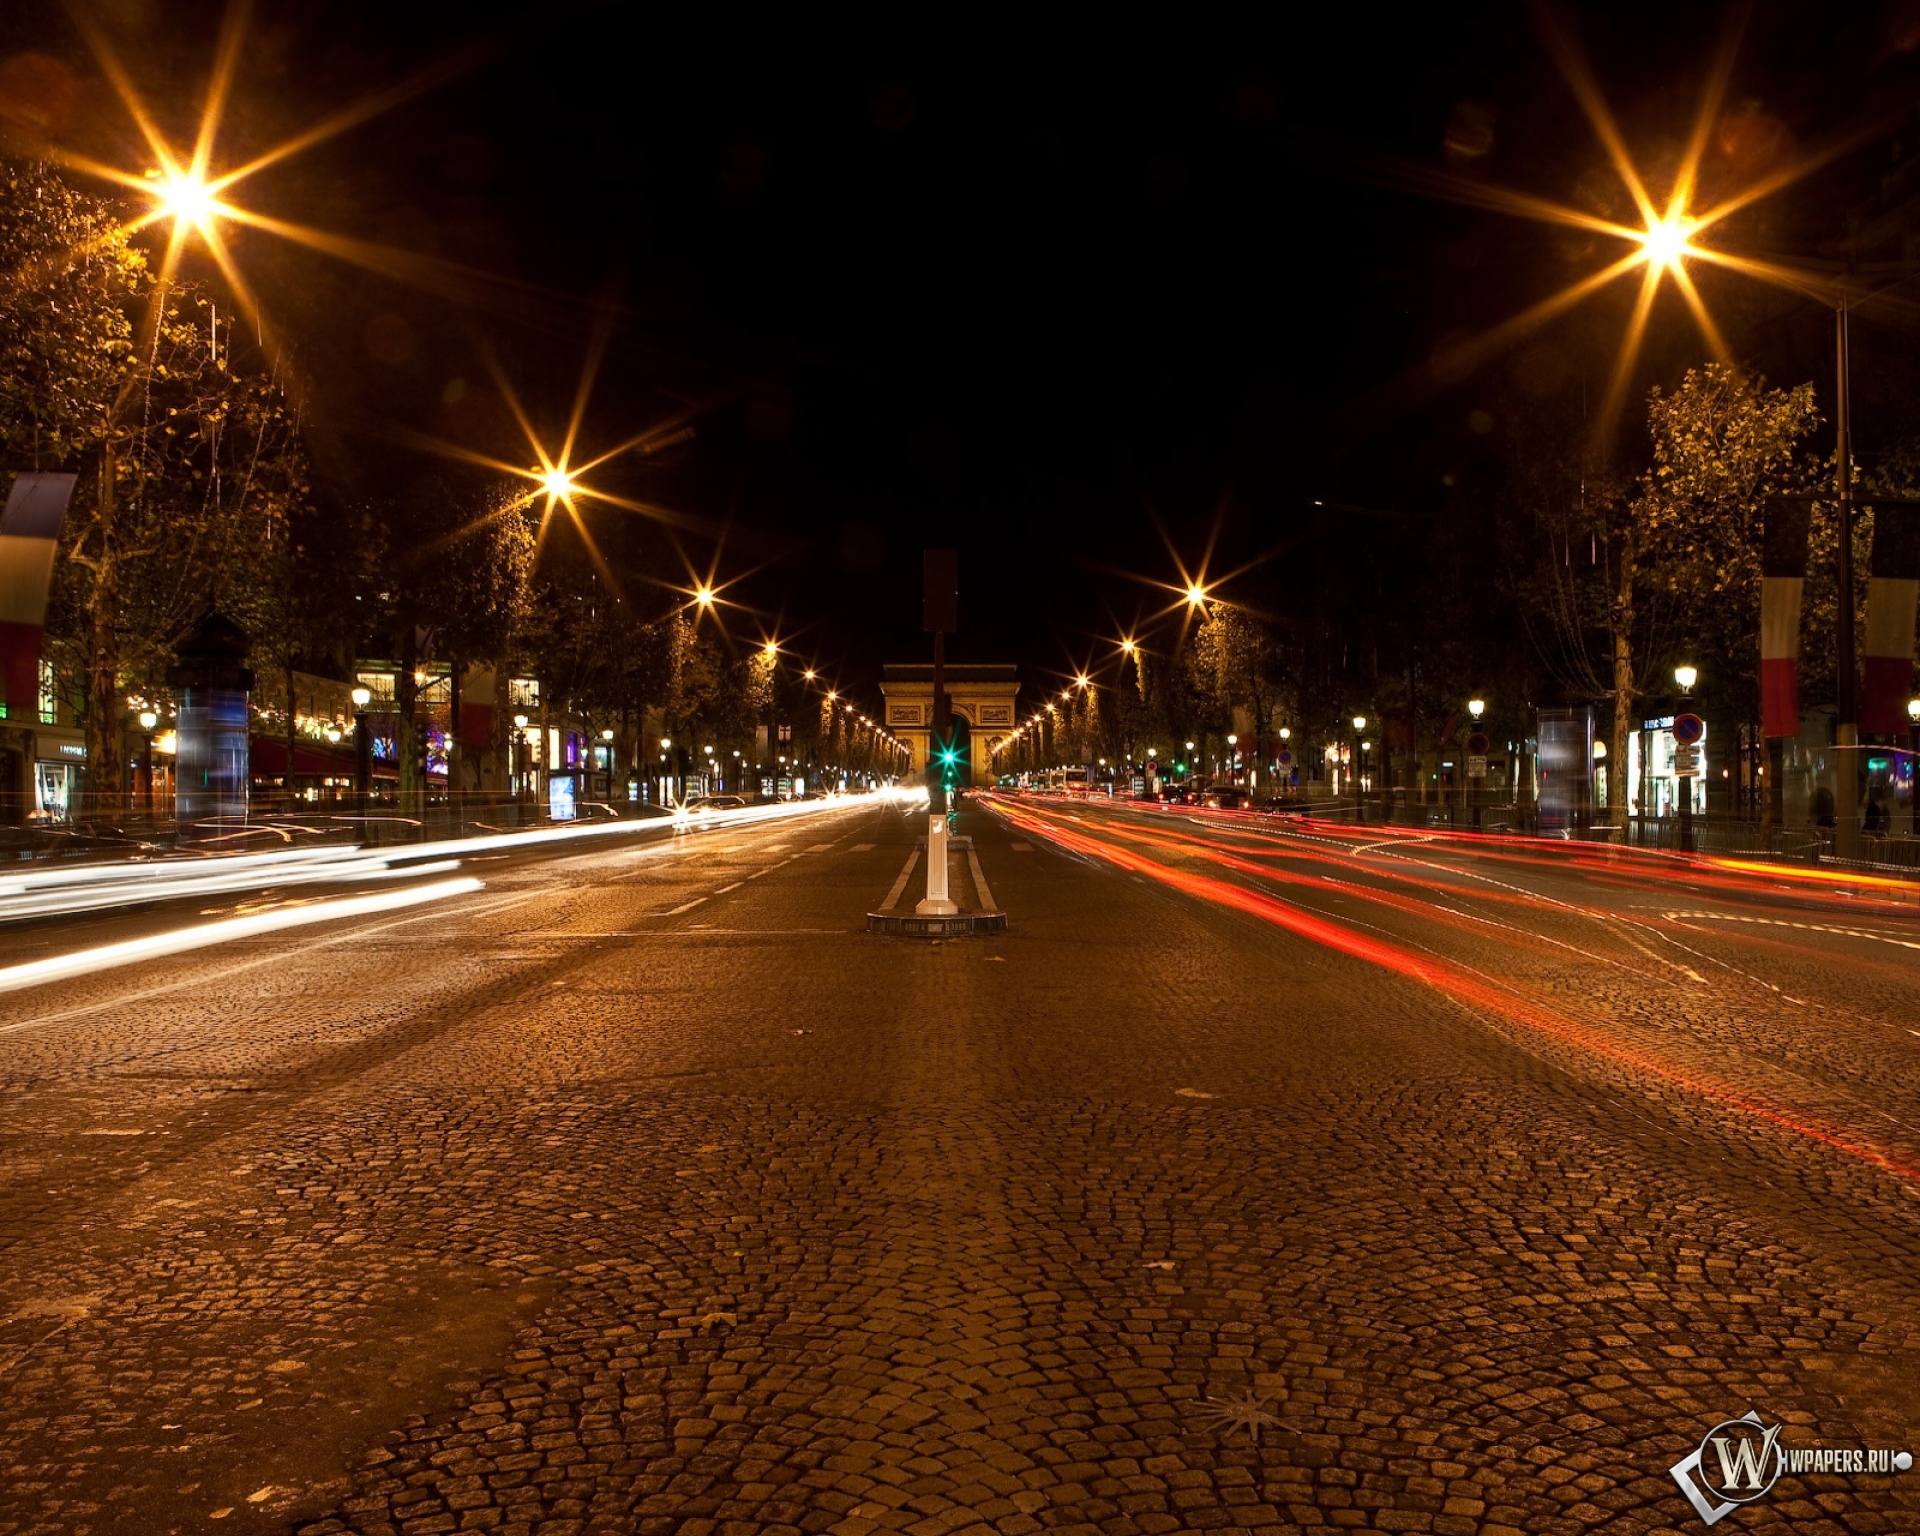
x: 1665, y: 239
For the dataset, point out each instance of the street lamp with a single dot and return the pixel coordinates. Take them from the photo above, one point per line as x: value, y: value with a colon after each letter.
x: 1359, y: 805
x: 1686, y: 677
x: 362, y: 749
x: 148, y: 720
x: 1476, y: 761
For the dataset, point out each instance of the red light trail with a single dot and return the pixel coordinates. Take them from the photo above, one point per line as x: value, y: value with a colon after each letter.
x: 1455, y: 981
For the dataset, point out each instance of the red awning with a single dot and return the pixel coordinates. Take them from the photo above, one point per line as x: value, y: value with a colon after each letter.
x: 311, y: 759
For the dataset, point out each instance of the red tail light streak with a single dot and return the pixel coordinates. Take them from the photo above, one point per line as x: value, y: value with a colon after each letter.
x: 1477, y: 991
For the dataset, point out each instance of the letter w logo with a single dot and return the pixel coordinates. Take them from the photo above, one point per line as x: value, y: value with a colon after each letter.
x: 1743, y: 1462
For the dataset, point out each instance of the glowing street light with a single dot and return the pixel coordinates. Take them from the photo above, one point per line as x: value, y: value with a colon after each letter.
x: 1359, y: 722
x: 1664, y: 242
x: 1196, y: 595
x: 770, y: 650
x: 704, y: 597
x: 1476, y: 708
x: 186, y: 198
x: 1686, y: 677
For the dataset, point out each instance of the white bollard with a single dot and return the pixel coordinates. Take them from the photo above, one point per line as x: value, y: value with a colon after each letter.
x: 938, y: 903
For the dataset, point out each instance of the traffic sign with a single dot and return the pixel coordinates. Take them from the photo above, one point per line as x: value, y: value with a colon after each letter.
x: 1285, y: 759
x: 1689, y: 730
x: 1477, y: 744
x: 1686, y: 762
x: 1477, y: 766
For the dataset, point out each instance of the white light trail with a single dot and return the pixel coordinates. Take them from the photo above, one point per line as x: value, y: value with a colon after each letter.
x: 34, y: 973
x: 96, y: 887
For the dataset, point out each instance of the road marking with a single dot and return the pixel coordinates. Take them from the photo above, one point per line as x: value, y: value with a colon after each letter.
x: 685, y: 906
x: 734, y: 887
x: 1776, y: 922
x: 863, y: 847
x: 893, y: 896
x: 818, y: 848
x: 980, y: 883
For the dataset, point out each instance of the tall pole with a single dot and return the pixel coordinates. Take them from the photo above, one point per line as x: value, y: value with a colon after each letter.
x: 940, y: 581
x: 1846, y: 796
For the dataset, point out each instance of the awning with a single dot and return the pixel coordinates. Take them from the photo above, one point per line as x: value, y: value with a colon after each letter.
x: 311, y: 759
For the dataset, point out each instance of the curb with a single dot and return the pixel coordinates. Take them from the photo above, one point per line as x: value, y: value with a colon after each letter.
x: 910, y: 925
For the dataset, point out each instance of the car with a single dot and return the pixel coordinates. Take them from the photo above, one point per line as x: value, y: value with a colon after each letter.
x: 1225, y: 798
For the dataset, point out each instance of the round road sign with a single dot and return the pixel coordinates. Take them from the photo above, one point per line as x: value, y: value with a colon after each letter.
x: 1477, y: 744
x: 1688, y: 730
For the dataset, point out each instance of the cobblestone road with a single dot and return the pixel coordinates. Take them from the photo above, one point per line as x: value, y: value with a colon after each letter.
x: 643, y: 1192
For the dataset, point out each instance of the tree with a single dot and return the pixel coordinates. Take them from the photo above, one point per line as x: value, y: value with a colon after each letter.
x: 187, y: 447
x: 1235, y: 664
x: 1723, y: 444
x: 1624, y: 573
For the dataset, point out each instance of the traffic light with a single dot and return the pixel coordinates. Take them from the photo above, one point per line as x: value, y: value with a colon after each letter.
x: 951, y: 755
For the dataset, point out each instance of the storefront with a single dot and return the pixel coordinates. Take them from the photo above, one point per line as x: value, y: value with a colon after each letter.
x: 59, y: 773
x: 1653, y: 789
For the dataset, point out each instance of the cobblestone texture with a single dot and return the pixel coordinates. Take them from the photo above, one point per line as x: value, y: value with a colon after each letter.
x: 553, y: 1213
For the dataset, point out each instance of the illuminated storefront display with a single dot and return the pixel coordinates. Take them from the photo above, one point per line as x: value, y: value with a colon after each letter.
x: 1652, y: 787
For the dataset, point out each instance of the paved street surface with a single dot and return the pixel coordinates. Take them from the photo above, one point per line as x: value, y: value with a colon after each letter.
x: 1258, y: 1178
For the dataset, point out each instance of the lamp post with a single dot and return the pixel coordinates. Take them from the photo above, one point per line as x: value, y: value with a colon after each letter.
x: 1359, y: 804
x: 1686, y: 677
x: 148, y: 720
x: 1476, y: 758
x: 606, y: 748
x: 362, y: 749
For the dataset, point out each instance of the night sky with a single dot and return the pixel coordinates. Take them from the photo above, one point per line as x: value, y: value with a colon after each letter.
x: 1045, y: 291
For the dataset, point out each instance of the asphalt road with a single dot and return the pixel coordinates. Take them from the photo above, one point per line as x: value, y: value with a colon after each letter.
x: 643, y: 1191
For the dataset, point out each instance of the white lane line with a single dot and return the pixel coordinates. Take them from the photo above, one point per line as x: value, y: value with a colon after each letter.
x: 893, y: 896
x: 685, y: 906
x: 863, y: 847
x: 980, y: 883
x: 34, y: 973
x: 734, y: 887
x: 1776, y: 922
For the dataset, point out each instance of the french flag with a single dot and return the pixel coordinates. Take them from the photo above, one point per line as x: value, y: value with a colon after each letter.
x: 1783, y: 577
x: 1892, y: 591
x: 29, y: 538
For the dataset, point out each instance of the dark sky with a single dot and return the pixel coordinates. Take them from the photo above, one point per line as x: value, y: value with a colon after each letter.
x: 1035, y: 288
